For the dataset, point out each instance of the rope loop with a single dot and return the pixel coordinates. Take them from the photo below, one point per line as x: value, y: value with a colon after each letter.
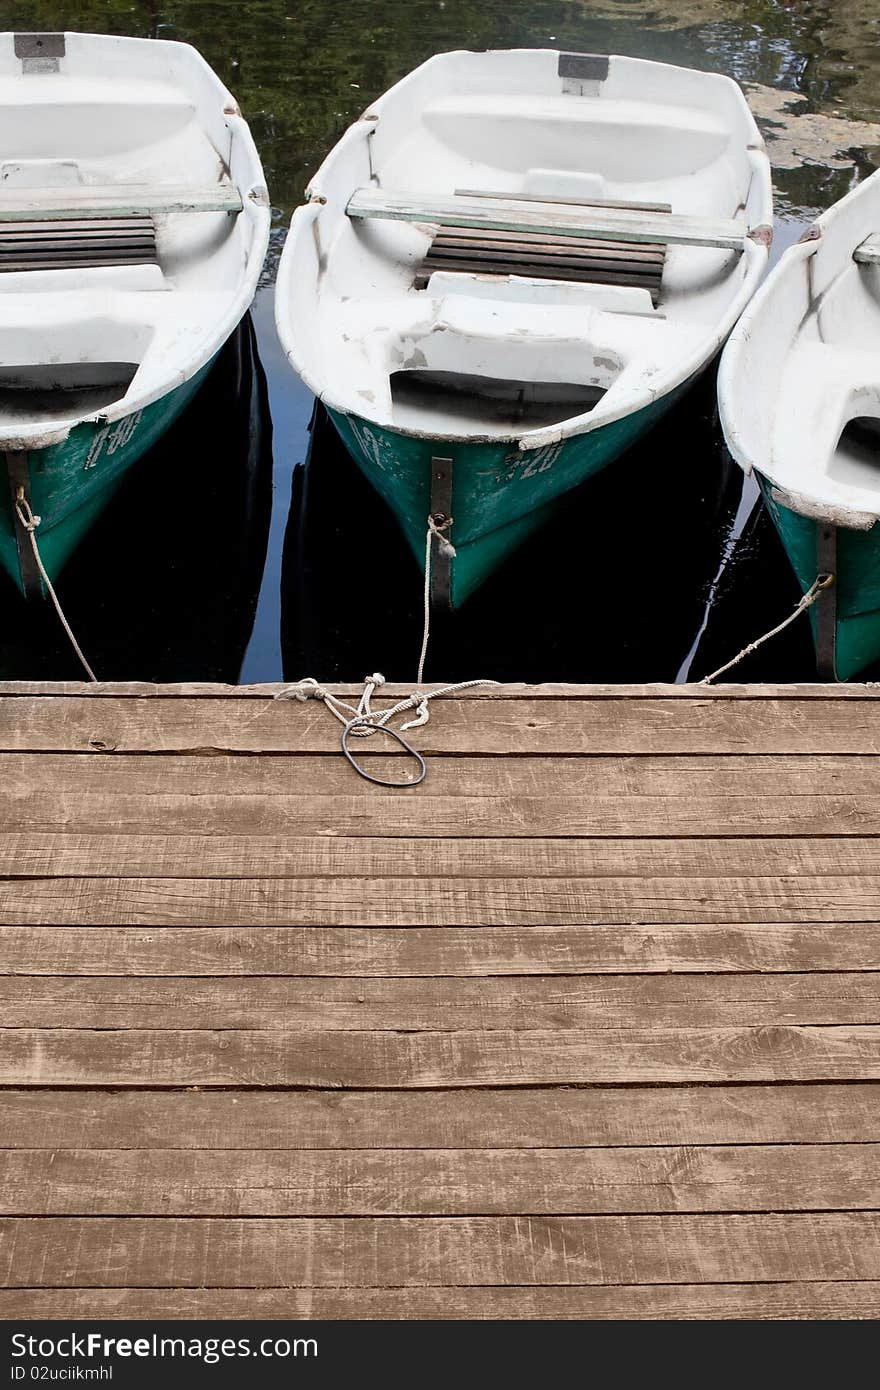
x: 352, y: 728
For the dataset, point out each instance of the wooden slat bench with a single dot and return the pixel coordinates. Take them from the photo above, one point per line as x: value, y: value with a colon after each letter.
x: 590, y: 221
x: 597, y: 242
x: 79, y: 243
x: 536, y: 256
x: 113, y: 200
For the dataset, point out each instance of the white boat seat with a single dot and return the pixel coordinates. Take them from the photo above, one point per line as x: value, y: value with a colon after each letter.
x: 82, y: 243
x: 113, y: 200
x: 528, y: 214
x: 869, y: 251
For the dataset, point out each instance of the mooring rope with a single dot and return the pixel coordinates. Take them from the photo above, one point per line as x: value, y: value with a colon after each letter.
x: 361, y: 720
x: 30, y: 522
x: 448, y: 549
x: 815, y: 591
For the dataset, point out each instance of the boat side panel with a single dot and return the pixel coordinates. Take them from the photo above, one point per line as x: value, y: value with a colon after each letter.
x: 72, y: 482
x: 857, y: 581
x: 500, y: 494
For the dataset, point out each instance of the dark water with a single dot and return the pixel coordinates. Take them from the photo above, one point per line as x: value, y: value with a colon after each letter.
x: 247, y: 546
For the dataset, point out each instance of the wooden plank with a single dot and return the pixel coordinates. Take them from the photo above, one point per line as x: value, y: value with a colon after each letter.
x: 440, y: 1004
x: 114, y: 200
x: 399, y: 901
x: 539, y: 727
x: 569, y: 202
x: 559, y: 1117
x: 414, y: 1252
x: 452, y: 951
x: 508, y: 690
x: 393, y: 690
x: 439, y: 1182
x: 366, y: 810
x: 488, y: 265
x: 271, y: 777
x: 501, y: 1057
x: 789, y: 1301
x: 868, y: 253
x: 521, y: 214
x: 654, y: 254
x: 55, y: 854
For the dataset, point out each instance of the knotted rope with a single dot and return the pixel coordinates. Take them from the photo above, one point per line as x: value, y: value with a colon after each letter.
x: 815, y: 591
x: 361, y: 720
x: 30, y: 522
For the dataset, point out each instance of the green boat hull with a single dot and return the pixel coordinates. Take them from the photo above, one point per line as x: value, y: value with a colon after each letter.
x: 856, y: 591
x: 69, y: 484
x: 500, y: 494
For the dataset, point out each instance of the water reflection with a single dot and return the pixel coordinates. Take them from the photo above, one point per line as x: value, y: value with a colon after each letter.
x: 165, y: 585
x: 614, y: 588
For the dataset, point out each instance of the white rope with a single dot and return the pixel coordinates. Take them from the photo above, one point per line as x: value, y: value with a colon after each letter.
x: 367, y: 720
x: 361, y: 720
x: 815, y: 591
x: 448, y: 549
x: 30, y: 524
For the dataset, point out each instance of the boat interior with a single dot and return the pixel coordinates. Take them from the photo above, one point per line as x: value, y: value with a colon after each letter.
x: 528, y: 247
x: 805, y: 395
x: 125, y: 230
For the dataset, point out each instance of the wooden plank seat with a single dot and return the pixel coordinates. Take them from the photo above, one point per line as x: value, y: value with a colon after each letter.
x: 113, y: 200
x: 587, y: 221
x: 80, y: 243
x: 868, y: 253
x: 538, y: 256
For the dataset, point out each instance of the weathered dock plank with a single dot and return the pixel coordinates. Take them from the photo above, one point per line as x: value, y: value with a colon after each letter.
x: 417, y: 1252
x: 561, y: 1117
x: 455, y: 952
x: 546, y: 726
x: 586, y: 1026
x: 476, y: 1057
x: 787, y: 1301
x: 440, y: 1182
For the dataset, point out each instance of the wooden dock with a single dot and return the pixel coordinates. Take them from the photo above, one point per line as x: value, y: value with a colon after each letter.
x: 586, y: 1026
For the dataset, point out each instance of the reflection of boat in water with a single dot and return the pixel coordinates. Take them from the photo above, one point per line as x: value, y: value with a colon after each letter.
x: 165, y: 586
x: 608, y: 591
x: 133, y: 226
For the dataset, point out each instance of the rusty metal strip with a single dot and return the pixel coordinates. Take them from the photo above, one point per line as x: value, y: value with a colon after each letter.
x: 826, y: 608
x: 19, y: 478
x: 441, y: 513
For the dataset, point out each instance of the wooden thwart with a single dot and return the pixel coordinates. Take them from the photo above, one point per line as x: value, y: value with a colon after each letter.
x: 868, y: 253
x: 573, y: 219
x: 113, y: 200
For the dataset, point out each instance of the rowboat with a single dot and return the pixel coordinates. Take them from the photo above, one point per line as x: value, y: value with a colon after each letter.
x: 507, y: 270
x: 134, y: 222
x: 189, y: 614
x: 799, y: 393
